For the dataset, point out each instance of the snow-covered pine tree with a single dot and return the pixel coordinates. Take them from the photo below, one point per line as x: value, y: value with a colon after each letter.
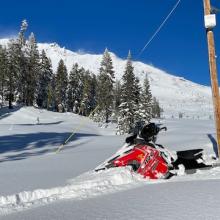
x: 61, y: 84
x: 137, y: 90
x: 33, y: 70
x: 85, y: 103
x: 117, y: 98
x: 51, y: 96
x: 146, y: 102
x: 138, y: 120
x: 89, y: 101
x: 75, y: 88
x: 105, y: 82
x: 93, y: 92
x: 21, y: 34
x: 126, y: 120
x: 15, y: 65
x: 82, y: 74
x: 44, y: 80
x: 20, y: 61
x: 156, y: 109
x: 3, y: 74
x: 72, y: 90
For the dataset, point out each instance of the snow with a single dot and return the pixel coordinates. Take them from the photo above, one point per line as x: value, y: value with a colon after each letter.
x: 175, y: 94
x: 83, y: 187
x: 36, y: 183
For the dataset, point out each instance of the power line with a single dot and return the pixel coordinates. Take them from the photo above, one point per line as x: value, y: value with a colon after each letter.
x: 158, y: 29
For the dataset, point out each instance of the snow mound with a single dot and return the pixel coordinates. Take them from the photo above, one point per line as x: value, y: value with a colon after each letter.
x: 88, y: 185
x: 92, y: 184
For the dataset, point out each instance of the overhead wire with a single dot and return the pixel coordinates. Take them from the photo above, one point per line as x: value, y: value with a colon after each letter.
x: 158, y: 29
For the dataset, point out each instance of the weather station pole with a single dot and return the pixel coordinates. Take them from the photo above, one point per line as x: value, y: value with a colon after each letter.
x: 210, y: 23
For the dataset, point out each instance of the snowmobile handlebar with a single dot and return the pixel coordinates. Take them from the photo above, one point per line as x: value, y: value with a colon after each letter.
x: 148, y: 133
x: 163, y: 128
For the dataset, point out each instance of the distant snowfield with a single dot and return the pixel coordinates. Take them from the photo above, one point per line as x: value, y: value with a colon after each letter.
x: 176, y: 94
x: 36, y: 183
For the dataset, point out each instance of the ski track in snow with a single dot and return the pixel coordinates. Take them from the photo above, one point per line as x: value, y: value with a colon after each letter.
x: 92, y: 184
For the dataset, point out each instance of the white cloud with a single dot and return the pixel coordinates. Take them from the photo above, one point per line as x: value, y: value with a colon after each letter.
x: 7, y: 33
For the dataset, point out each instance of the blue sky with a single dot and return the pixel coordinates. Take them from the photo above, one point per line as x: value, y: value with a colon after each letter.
x: 91, y: 25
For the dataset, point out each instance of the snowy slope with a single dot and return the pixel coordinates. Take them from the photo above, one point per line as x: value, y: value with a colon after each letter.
x: 43, y: 185
x: 175, y: 94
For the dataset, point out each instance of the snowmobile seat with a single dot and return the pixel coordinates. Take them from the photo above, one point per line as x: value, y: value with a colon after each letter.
x: 190, y: 154
x: 189, y: 159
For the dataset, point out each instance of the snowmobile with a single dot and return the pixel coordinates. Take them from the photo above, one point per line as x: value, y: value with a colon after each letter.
x: 152, y: 160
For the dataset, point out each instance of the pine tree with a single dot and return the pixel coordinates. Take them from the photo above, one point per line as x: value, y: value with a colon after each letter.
x: 117, y: 97
x: 44, y: 81
x: 21, y: 64
x: 137, y: 91
x: 93, y: 92
x: 146, y: 102
x: 32, y: 75
x: 105, y: 86
x: 88, y: 102
x: 128, y: 104
x: 82, y: 77
x: 21, y: 35
x: 156, y: 109
x: 85, y: 103
x: 61, y: 84
x: 138, y: 116
x: 51, y: 95
x: 72, y: 91
x: 3, y: 73
x: 14, y: 83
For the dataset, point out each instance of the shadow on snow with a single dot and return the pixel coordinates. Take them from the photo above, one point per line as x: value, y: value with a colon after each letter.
x: 39, y: 124
x: 5, y: 111
x: 214, y: 144
x: 22, y: 146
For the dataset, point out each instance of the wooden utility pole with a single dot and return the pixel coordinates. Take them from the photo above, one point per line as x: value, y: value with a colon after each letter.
x: 213, y: 69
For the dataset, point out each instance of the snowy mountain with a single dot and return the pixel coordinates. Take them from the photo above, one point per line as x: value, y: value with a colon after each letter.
x: 175, y: 94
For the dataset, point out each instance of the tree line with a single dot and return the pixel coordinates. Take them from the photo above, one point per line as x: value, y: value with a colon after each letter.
x: 27, y: 78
